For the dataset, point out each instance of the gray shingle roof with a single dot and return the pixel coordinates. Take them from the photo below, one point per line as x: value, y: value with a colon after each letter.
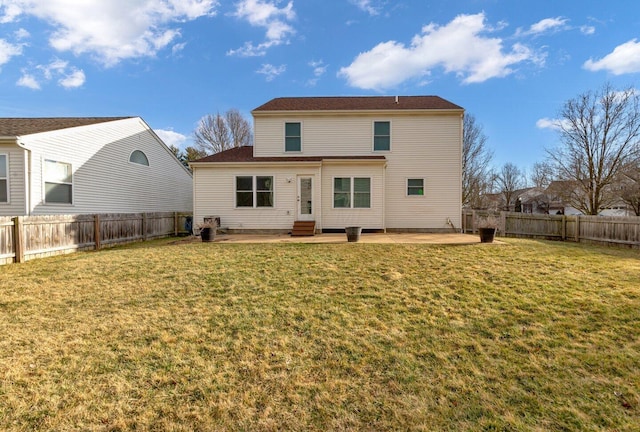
x: 28, y: 126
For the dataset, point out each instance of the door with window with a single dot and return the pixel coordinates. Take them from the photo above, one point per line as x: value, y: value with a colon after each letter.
x: 305, y: 198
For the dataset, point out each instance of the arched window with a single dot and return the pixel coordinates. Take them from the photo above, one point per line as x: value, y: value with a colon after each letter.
x: 139, y: 158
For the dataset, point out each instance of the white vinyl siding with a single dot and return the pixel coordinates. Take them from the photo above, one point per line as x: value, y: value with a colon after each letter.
x: 215, y: 189
x: 16, y: 172
x: 104, y: 181
x: 425, y: 146
x: 371, y: 217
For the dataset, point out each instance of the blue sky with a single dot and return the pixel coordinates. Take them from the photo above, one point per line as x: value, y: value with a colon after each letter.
x: 512, y: 64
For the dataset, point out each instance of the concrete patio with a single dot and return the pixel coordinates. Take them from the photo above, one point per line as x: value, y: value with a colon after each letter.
x: 426, y: 238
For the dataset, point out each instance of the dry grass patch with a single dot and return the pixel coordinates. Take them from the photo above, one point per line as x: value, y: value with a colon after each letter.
x: 160, y: 336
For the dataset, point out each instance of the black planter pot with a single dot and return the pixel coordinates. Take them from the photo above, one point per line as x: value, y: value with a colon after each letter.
x: 487, y: 234
x: 208, y: 234
x: 353, y: 233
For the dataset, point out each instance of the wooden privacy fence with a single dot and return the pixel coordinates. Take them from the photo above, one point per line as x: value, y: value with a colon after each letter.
x: 27, y: 237
x: 610, y: 230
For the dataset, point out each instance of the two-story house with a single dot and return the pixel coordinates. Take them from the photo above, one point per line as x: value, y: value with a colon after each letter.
x: 80, y: 165
x: 382, y: 163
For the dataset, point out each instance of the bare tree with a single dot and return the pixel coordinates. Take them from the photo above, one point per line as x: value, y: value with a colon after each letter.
x: 542, y: 174
x: 476, y: 158
x: 508, y: 180
x: 599, y: 134
x: 630, y: 190
x: 216, y: 133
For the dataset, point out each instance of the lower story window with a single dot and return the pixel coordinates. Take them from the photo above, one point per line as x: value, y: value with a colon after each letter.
x: 415, y: 186
x: 254, y: 191
x: 58, y: 182
x: 4, y: 179
x: 352, y: 192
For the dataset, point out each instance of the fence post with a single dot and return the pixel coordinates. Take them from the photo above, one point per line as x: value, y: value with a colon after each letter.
x: 503, y: 223
x: 577, y: 228
x: 144, y: 226
x: 96, y: 231
x: 564, y: 228
x: 18, y: 239
x: 175, y: 224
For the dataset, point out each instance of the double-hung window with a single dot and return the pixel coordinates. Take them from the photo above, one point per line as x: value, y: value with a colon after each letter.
x: 292, y: 137
x: 254, y: 191
x: 58, y: 182
x: 4, y: 178
x: 352, y: 192
x: 381, y: 136
x: 415, y: 186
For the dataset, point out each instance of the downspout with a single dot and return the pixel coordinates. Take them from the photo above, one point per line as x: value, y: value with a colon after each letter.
x: 384, y: 198
x: 27, y: 178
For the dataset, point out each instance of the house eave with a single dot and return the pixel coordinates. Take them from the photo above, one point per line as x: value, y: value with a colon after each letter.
x: 315, y: 163
x: 371, y: 112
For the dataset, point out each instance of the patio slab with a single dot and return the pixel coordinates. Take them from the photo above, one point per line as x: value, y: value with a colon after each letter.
x: 427, y: 238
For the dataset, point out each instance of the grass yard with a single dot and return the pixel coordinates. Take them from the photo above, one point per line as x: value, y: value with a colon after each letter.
x: 523, y: 336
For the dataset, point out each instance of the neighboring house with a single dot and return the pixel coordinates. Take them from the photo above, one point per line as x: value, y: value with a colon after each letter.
x: 88, y: 165
x: 382, y: 163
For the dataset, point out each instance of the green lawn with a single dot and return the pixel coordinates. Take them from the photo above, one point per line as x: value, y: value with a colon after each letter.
x: 519, y: 336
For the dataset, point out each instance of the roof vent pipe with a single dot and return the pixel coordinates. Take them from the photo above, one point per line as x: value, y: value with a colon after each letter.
x: 396, y: 99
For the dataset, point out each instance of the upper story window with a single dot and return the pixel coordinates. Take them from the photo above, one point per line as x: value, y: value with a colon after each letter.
x: 415, y: 186
x: 381, y: 136
x: 58, y: 182
x: 138, y: 157
x: 352, y: 192
x: 292, y: 137
x: 254, y: 191
x: 4, y: 178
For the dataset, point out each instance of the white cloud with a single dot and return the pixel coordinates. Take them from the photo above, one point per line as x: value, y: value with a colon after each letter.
x: 172, y: 138
x: 271, y: 71
x: 459, y: 47
x: 367, y: 6
x: 67, y: 76
x: 319, y: 69
x: 544, y: 26
x: 265, y: 14
x: 74, y: 79
x: 624, y: 59
x: 587, y: 29
x: 29, y: 81
x: 8, y: 50
x: 547, y: 123
x: 21, y: 34
x: 111, y: 30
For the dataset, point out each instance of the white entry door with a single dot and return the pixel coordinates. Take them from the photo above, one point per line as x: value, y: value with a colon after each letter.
x: 305, y: 198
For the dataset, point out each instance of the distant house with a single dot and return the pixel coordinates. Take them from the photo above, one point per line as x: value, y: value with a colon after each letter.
x: 382, y: 163
x: 88, y: 165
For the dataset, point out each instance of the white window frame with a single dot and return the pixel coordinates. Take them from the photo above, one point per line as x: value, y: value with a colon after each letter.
x: 6, y: 179
x: 424, y: 182
x: 373, y: 135
x: 351, y: 192
x: 254, y: 191
x: 45, y: 181
x: 284, y: 144
x: 136, y: 163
